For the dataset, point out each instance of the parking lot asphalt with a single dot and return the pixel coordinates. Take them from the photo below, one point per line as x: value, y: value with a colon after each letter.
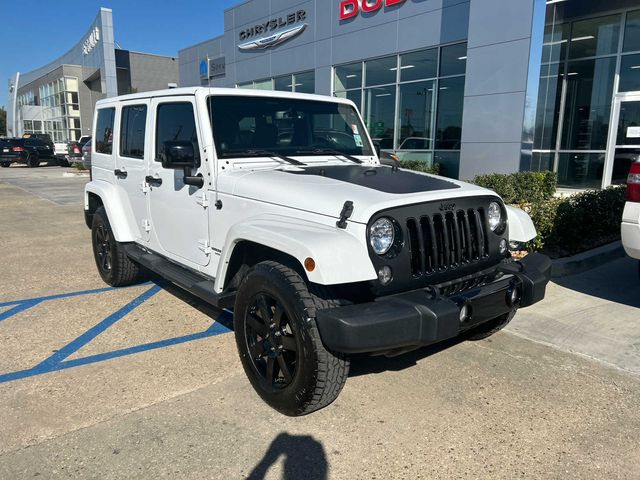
x: 145, y: 382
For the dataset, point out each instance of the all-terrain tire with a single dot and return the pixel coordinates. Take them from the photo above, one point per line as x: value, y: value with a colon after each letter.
x: 491, y: 327
x: 114, y: 266
x: 319, y: 374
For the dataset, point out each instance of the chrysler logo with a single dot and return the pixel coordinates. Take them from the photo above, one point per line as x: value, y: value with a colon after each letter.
x: 273, y: 40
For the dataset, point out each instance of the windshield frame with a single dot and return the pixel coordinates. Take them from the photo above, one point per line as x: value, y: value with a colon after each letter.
x: 310, y: 149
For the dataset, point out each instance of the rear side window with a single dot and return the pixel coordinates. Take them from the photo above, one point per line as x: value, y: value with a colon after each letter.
x: 176, y: 122
x: 132, y: 131
x: 104, y: 130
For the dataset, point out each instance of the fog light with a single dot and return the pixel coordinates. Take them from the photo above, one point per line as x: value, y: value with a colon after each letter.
x: 514, y: 295
x: 504, y: 246
x: 465, y: 313
x: 385, y: 275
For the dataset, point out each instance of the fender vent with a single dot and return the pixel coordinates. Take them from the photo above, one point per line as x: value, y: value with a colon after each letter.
x: 446, y: 241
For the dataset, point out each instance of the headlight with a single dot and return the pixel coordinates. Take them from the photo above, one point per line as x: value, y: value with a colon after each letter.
x: 381, y: 235
x: 495, y: 216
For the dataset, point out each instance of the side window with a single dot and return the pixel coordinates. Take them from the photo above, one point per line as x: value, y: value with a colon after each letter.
x: 175, y: 123
x: 104, y: 130
x: 132, y: 129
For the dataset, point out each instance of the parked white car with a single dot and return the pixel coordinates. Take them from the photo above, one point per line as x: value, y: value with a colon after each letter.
x: 276, y: 205
x: 631, y: 214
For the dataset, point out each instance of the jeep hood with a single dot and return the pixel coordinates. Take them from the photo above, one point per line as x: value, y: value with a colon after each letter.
x: 324, y: 189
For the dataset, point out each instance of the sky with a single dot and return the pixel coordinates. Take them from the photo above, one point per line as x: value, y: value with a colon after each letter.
x: 35, y: 32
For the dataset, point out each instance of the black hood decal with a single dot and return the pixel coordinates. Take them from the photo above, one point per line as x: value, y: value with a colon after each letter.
x: 384, y: 179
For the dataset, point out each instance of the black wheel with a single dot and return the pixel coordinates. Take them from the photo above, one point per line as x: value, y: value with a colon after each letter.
x: 63, y: 162
x: 33, y: 160
x: 279, y: 343
x: 492, y: 326
x: 5, y: 164
x: 114, y: 266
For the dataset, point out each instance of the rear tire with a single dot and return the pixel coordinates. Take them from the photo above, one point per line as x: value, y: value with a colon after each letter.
x: 491, y: 327
x: 5, y: 164
x: 114, y: 266
x: 33, y: 160
x: 279, y: 343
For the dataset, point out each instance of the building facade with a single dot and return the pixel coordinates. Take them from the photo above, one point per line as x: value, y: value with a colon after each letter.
x: 59, y: 98
x: 477, y: 86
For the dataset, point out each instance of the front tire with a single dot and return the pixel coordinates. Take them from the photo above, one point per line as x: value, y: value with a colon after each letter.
x: 114, y: 266
x: 491, y: 327
x: 279, y: 343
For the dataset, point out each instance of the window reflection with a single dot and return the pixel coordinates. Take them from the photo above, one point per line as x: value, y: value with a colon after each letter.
x: 449, y: 120
x: 595, y: 37
x: 415, y: 116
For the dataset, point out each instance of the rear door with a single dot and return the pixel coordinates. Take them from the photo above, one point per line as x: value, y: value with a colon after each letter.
x: 179, y: 219
x: 130, y: 165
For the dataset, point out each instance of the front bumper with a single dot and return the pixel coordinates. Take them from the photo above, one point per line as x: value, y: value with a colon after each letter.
x: 420, y: 317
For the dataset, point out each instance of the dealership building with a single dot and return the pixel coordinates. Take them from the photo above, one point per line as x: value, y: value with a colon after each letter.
x: 59, y: 98
x: 475, y: 85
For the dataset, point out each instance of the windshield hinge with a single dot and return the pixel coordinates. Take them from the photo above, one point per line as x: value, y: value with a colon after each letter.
x: 205, y: 246
x: 347, y: 210
x: 202, y: 199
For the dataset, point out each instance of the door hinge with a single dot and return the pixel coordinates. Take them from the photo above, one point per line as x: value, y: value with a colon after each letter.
x: 202, y: 199
x: 205, y: 247
x: 144, y: 186
x: 146, y: 224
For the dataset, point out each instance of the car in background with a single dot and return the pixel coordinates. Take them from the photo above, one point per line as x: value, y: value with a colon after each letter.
x: 74, y: 151
x: 30, y: 151
x: 631, y: 215
x: 86, y: 155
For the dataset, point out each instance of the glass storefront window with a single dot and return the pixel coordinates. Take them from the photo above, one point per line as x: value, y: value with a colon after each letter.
x: 595, y: 37
x: 348, y: 76
x: 580, y: 170
x: 263, y: 85
x: 304, y: 82
x: 449, y: 117
x: 246, y: 86
x: 554, y: 45
x: 542, y: 162
x: 419, y: 65
x: 630, y: 73
x: 549, y: 98
x: 354, y: 95
x: 415, y: 115
x: 632, y: 32
x: 282, y: 84
x: 380, y: 112
x: 381, y: 71
x: 449, y: 163
x: 453, y: 60
x: 588, y: 104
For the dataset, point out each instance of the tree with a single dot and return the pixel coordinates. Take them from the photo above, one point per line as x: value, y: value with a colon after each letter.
x: 3, y: 121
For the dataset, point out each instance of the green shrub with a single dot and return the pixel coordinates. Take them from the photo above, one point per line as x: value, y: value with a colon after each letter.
x: 522, y: 187
x: 578, y: 223
x: 420, y: 166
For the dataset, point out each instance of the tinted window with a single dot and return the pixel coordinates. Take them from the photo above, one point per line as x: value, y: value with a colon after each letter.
x: 132, y: 130
x: 176, y: 123
x: 104, y: 130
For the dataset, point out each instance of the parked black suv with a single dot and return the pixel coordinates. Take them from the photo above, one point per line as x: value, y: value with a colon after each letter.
x: 30, y: 151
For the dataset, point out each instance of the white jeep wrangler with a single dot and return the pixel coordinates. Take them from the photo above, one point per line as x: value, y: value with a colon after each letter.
x: 276, y: 205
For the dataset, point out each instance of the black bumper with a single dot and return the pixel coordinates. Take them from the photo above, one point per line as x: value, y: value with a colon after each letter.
x: 420, y: 317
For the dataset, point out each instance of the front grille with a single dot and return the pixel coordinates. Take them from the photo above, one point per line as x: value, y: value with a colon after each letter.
x: 442, y: 242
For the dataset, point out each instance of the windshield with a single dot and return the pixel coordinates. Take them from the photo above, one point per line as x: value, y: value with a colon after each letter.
x: 285, y: 126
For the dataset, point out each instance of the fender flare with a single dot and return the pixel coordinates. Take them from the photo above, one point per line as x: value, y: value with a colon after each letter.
x: 118, y: 211
x: 521, y: 227
x: 339, y: 255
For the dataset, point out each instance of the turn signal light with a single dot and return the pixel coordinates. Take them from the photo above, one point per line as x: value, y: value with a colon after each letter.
x: 310, y: 264
x: 633, y: 183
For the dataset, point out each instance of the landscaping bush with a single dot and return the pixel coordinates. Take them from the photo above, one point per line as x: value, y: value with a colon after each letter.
x: 522, y: 187
x: 420, y: 166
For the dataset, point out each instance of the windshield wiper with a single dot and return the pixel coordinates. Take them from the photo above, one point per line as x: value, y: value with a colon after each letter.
x: 328, y: 151
x: 266, y: 153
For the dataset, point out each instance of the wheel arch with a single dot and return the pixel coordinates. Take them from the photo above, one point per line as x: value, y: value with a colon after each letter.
x: 102, y: 194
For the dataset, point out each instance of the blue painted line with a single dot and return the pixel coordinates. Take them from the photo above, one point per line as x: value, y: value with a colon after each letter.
x: 20, y: 307
x: 93, y: 332
x: 68, y: 295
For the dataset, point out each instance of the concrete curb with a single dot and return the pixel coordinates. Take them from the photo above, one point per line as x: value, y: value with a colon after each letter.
x: 582, y: 262
x: 75, y: 174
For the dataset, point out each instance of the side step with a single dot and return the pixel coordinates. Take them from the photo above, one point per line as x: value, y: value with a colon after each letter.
x: 198, y: 285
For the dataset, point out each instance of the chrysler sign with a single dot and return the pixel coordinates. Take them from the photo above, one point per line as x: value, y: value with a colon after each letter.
x: 351, y: 8
x: 277, y: 30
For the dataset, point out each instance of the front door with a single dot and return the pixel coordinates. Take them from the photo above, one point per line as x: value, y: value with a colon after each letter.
x: 624, y: 139
x: 179, y: 213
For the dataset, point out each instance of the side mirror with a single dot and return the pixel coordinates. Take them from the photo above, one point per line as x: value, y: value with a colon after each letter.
x: 177, y: 155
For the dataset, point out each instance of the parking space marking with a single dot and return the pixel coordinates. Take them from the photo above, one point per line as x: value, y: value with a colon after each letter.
x: 58, y: 361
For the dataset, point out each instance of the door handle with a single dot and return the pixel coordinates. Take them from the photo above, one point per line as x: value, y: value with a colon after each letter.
x: 120, y: 173
x: 153, y: 181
